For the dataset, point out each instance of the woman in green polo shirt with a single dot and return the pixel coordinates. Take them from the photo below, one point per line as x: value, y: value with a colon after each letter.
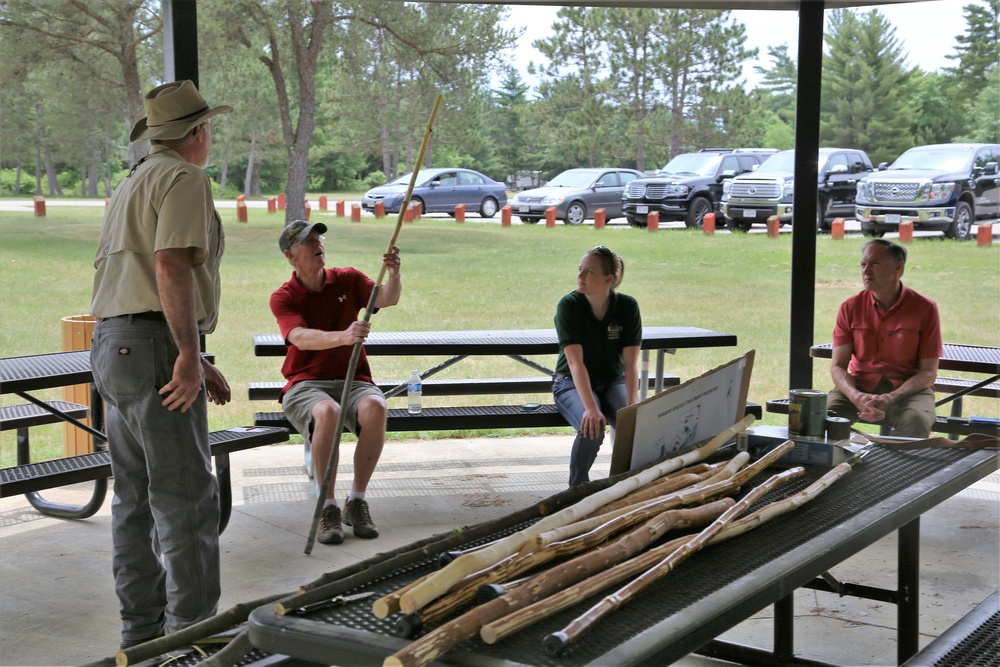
x: 597, y: 373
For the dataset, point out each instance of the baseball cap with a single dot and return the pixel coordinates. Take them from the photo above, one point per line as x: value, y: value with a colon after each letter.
x: 296, y: 231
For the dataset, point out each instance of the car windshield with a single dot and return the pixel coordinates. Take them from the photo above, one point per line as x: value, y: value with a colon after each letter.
x: 784, y: 161
x: 422, y: 176
x: 693, y: 164
x: 943, y: 159
x: 574, y: 178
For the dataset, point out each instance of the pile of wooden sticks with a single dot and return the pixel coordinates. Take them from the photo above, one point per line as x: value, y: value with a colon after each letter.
x: 595, y: 544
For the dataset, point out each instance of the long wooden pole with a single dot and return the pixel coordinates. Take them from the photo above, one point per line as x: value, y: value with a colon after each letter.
x: 356, y: 352
x: 555, y: 643
x: 439, y: 582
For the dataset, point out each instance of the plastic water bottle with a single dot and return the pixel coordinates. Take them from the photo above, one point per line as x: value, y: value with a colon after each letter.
x: 414, y: 390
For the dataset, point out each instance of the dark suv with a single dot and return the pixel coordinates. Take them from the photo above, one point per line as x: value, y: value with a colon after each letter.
x: 943, y: 187
x: 689, y: 186
x: 769, y: 190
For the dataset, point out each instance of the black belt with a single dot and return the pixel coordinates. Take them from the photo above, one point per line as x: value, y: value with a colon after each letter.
x: 149, y: 316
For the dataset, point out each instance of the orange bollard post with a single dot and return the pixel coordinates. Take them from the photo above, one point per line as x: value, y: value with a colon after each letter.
x: 240, y: 199
x: 505, y: 216
x: 272, y: 205
x: 241, y: 212
x: 837, y: 228
x: 418, y: 209
x: 323, y: 203
x: 708, y: 224
x: 550, y: 216
x: 459, y: 212
x: 355, y: 212
x: 600, y: 218
x: 408, y: 214
x: 340, y: 207
x: 905, y: 231
x: 39, y: 206
x: 773, y: 225
x: 106, y: 200
x: 984, y: 235
x: 653, y: 221
x: 281, y: 201
x: 308, y: 210
x: 379, y: 209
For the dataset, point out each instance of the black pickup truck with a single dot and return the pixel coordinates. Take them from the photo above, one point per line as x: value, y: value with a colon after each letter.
x: 753, y: 198
x: 689, y: 186
x: 941, y: 187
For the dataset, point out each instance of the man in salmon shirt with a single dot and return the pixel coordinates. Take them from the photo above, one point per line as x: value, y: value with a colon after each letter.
x: 886, y: 346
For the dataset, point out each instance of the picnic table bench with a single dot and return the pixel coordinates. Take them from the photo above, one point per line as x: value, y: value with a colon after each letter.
x: 957, y: 357
x: 20, y: 375
x: 457, y: 345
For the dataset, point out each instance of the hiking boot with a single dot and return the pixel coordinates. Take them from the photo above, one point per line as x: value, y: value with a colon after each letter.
x: 330, y: 530
x: 356, y: 515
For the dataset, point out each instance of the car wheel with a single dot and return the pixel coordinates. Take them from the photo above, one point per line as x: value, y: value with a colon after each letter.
x: 576, y: 213
x: 822, y: 209
x: 872, y: 233
x: 529, y: 221
x: 696, y: 212
x: 738, y: 225
x: 962, y: 224
x: 488, y: 208
x: 635, y: 223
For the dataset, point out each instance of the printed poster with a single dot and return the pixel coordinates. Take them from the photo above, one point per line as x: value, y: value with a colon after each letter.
x: 673, y: 421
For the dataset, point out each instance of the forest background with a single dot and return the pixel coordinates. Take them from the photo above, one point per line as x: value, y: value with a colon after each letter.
x: 334, y: 96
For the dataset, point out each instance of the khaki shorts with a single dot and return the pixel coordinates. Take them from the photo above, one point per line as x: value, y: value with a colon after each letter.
x: 299, y: 401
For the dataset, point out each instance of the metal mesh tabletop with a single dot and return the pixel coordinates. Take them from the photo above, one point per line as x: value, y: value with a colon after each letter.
x: 43, y: 371
x: 956, y: 357
x: 523, y: 341
x: 706, y: 595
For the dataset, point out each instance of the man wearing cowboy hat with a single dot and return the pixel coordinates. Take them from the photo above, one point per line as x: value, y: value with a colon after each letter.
x: 156, y: 289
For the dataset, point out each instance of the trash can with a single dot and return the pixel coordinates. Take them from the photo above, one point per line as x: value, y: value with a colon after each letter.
x: 77, y: 332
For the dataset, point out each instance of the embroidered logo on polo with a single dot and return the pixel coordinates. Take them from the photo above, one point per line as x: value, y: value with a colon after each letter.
x: 342, y: 298
x: 124, y: 351
x: 614, y: 331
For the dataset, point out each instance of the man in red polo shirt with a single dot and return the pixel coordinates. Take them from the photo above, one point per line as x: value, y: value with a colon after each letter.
x: 317, y: 312
x: 886, y: 346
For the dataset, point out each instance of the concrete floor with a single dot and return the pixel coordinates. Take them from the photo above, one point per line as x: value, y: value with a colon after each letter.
x: 58, y: 605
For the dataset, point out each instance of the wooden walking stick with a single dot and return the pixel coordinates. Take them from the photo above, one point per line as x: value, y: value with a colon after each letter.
x: 356, y: 352
x: 545, y: 608
x: 439, y: 582
x: 555, y: 643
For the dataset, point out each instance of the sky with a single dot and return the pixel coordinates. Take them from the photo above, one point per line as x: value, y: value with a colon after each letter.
x: 927, y: 31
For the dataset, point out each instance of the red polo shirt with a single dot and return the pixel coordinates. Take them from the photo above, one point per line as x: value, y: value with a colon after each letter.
x: 888, y: 343
x: 344, y: 294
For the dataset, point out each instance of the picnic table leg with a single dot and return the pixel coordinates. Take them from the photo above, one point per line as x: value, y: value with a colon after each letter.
x: 223, y: 473
x: 65, y: 510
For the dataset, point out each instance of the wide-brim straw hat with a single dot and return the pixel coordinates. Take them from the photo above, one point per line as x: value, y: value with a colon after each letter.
x: 173, y: 110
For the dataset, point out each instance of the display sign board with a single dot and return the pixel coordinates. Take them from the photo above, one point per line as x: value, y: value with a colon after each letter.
x: 673, y: 421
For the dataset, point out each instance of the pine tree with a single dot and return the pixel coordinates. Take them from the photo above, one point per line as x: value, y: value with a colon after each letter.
x: 863, y: 103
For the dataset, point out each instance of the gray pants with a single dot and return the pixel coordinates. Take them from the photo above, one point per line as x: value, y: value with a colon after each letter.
x: 911, y: 417
x: 165, y: 512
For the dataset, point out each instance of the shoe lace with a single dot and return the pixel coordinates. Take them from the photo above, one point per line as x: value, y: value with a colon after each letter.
x: 329, y: 518
x: 359, y: 508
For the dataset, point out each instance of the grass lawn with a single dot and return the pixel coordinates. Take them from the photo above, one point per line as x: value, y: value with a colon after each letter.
x: 484, y: 276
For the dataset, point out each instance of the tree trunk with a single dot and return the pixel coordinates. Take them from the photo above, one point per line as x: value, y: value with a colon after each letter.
x: 251, y: 156
x: 83, y: 179
x: 17, y: 178
x: 93, y: 174
x: 38, y: 170
x: 223, y: 174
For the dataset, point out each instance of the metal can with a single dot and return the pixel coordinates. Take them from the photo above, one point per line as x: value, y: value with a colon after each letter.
x: 837, y: 428
x: 806, y: 413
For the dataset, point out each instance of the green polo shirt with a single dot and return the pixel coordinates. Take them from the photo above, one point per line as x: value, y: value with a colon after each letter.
x: 602, y: 340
